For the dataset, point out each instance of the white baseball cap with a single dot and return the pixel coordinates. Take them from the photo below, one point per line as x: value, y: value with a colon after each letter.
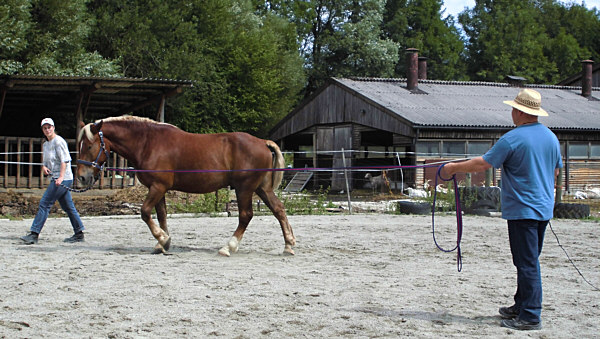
x: 47, y: 121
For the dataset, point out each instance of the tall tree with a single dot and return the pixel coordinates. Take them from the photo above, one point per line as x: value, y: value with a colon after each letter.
x: 49, y: 37
x: 420, y: 24
x: 246, y: 68
x: 338, y: 38
x: 574, y: 33
x: 506, y: 39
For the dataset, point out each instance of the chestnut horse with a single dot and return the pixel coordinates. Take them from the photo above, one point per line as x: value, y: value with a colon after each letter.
x: 170, y: 159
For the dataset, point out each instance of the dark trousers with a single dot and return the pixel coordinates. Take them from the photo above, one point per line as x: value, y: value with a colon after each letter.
x: 526, y: 238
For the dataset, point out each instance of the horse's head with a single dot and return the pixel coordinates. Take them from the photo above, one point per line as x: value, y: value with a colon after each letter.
x: 93, y: 153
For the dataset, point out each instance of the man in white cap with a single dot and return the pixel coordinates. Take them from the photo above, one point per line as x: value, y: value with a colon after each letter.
x: 57, y: 164
x: 529, y: 157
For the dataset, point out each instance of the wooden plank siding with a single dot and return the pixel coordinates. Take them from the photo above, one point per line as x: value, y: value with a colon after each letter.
x: 335, y: 105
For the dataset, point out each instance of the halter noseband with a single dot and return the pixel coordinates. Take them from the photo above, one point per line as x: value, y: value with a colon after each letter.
x: 95, y: 162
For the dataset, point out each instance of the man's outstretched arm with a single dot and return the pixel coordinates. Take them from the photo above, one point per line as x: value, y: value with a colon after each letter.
x: 472, y: 165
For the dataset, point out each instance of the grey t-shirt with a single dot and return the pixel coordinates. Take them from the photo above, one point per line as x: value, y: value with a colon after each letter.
x: 56, y: 151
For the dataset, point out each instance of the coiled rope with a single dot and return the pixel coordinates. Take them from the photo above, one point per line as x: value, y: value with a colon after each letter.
x: 459, y: 223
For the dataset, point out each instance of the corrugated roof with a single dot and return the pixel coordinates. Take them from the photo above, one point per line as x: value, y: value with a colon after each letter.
x: 475, y: 104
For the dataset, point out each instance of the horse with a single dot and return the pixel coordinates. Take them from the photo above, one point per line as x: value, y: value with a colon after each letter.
x: 168, y: 158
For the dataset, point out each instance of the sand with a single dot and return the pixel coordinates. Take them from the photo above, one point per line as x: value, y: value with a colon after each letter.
x: 356, y: 276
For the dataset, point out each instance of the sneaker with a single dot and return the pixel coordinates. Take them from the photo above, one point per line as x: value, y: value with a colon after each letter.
x: 521, y: 325
x: 508, y: 312
x: 77, y: 237
x: 30, y: 239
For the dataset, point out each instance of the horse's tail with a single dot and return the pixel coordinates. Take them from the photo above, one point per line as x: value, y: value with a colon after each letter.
x: 278, y: 162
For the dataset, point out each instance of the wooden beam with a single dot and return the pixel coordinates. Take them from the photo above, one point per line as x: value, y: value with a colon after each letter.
x: 160, y: 115
x: 150, y: 101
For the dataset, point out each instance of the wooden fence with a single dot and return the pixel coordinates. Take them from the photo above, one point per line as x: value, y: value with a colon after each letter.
x: 21, y: 165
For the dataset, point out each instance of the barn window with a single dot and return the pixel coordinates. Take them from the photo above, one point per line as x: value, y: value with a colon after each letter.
x: 478, y: 147
x: 595, y: 151
x: 578, y: 150
x: 428, y: 148
x: 454, y: 147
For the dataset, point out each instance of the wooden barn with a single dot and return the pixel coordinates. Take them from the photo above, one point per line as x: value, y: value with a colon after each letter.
x: 415, y: 121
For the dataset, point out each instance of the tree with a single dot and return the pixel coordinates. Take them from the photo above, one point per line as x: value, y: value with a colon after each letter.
x: 506, y: 39
x: 246, y: 70
x: 574, y: 35
x: 338, y: 38
x: 15, y: 22
x: 48, y: 37
x: 419, y: 24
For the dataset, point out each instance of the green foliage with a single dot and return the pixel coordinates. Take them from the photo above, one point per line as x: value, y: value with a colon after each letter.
x: 246, y: 67
x: 419, y: 24
x: 338, y: 38
x: 541, y: 40
x: 201, y: 203
x: 49, y: 37
x: 305, y: 203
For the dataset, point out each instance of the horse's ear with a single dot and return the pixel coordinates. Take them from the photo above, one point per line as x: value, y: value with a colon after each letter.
x: 81, y: 124
x: 95, y: 128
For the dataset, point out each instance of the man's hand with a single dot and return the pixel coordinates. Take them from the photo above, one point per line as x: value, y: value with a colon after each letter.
x: 448, y: 170
x: 46, y: 170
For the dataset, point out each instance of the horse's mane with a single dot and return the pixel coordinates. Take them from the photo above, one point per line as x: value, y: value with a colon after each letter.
x: 124, y: 118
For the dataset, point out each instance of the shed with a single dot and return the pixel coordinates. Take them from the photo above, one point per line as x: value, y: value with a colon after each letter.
x: 26, y: 99
x: 387, y: 122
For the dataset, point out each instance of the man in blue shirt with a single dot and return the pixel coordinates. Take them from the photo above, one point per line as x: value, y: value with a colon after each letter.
x: 529, y: 157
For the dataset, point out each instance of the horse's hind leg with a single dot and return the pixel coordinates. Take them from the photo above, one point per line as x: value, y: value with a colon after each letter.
x: 244, y: 200
x: 276, y: 206
x: 161, y: 215
x: 155, y: 195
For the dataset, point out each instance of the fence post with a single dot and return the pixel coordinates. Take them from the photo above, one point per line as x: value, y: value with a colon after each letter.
x: 559, y: 187
x: 488, y: 177
x: 347, y: 186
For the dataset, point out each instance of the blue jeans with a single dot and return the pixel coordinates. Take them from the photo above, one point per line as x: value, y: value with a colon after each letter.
x: 526, y: 239
x: 63, y: 196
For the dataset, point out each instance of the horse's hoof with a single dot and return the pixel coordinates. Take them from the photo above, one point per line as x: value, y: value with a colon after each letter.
x: 158, y: 250
x: 224, y: 251
x: 233, y: 244
x: 167, y: 245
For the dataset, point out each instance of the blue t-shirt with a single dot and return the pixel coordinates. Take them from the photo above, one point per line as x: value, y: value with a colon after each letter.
x: 528, y: 156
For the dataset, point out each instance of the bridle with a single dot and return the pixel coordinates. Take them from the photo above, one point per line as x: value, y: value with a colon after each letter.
x: 93, y: 164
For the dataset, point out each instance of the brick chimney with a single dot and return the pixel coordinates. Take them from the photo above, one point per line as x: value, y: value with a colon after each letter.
x: 586, y: 78
x: 412, y: 67
x: 423, y: 68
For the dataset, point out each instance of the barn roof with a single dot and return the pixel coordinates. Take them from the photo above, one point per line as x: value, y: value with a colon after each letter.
x: 474, y: 104
x: 30, y: 96
x: 464, y: 105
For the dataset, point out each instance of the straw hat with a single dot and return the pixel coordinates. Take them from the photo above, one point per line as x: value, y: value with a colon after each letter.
x: 528, y: 101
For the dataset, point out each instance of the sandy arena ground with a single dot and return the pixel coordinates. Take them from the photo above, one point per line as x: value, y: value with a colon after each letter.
x: 367, y: 275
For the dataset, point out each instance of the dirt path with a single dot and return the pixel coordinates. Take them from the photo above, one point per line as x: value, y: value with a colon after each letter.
x: 368, y: 275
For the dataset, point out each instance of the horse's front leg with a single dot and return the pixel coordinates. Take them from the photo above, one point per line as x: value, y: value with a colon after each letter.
x: 155, y: 195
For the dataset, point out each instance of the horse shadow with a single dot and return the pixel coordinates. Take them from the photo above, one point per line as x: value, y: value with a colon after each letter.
x: 440, y: 318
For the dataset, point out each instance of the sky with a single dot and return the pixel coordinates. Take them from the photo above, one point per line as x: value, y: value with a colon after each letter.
x: 456, y: 6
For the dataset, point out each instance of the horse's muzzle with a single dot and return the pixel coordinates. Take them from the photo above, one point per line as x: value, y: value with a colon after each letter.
x: 86, y: 180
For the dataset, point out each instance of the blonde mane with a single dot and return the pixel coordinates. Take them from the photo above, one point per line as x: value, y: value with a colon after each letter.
x: 86, y: 130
